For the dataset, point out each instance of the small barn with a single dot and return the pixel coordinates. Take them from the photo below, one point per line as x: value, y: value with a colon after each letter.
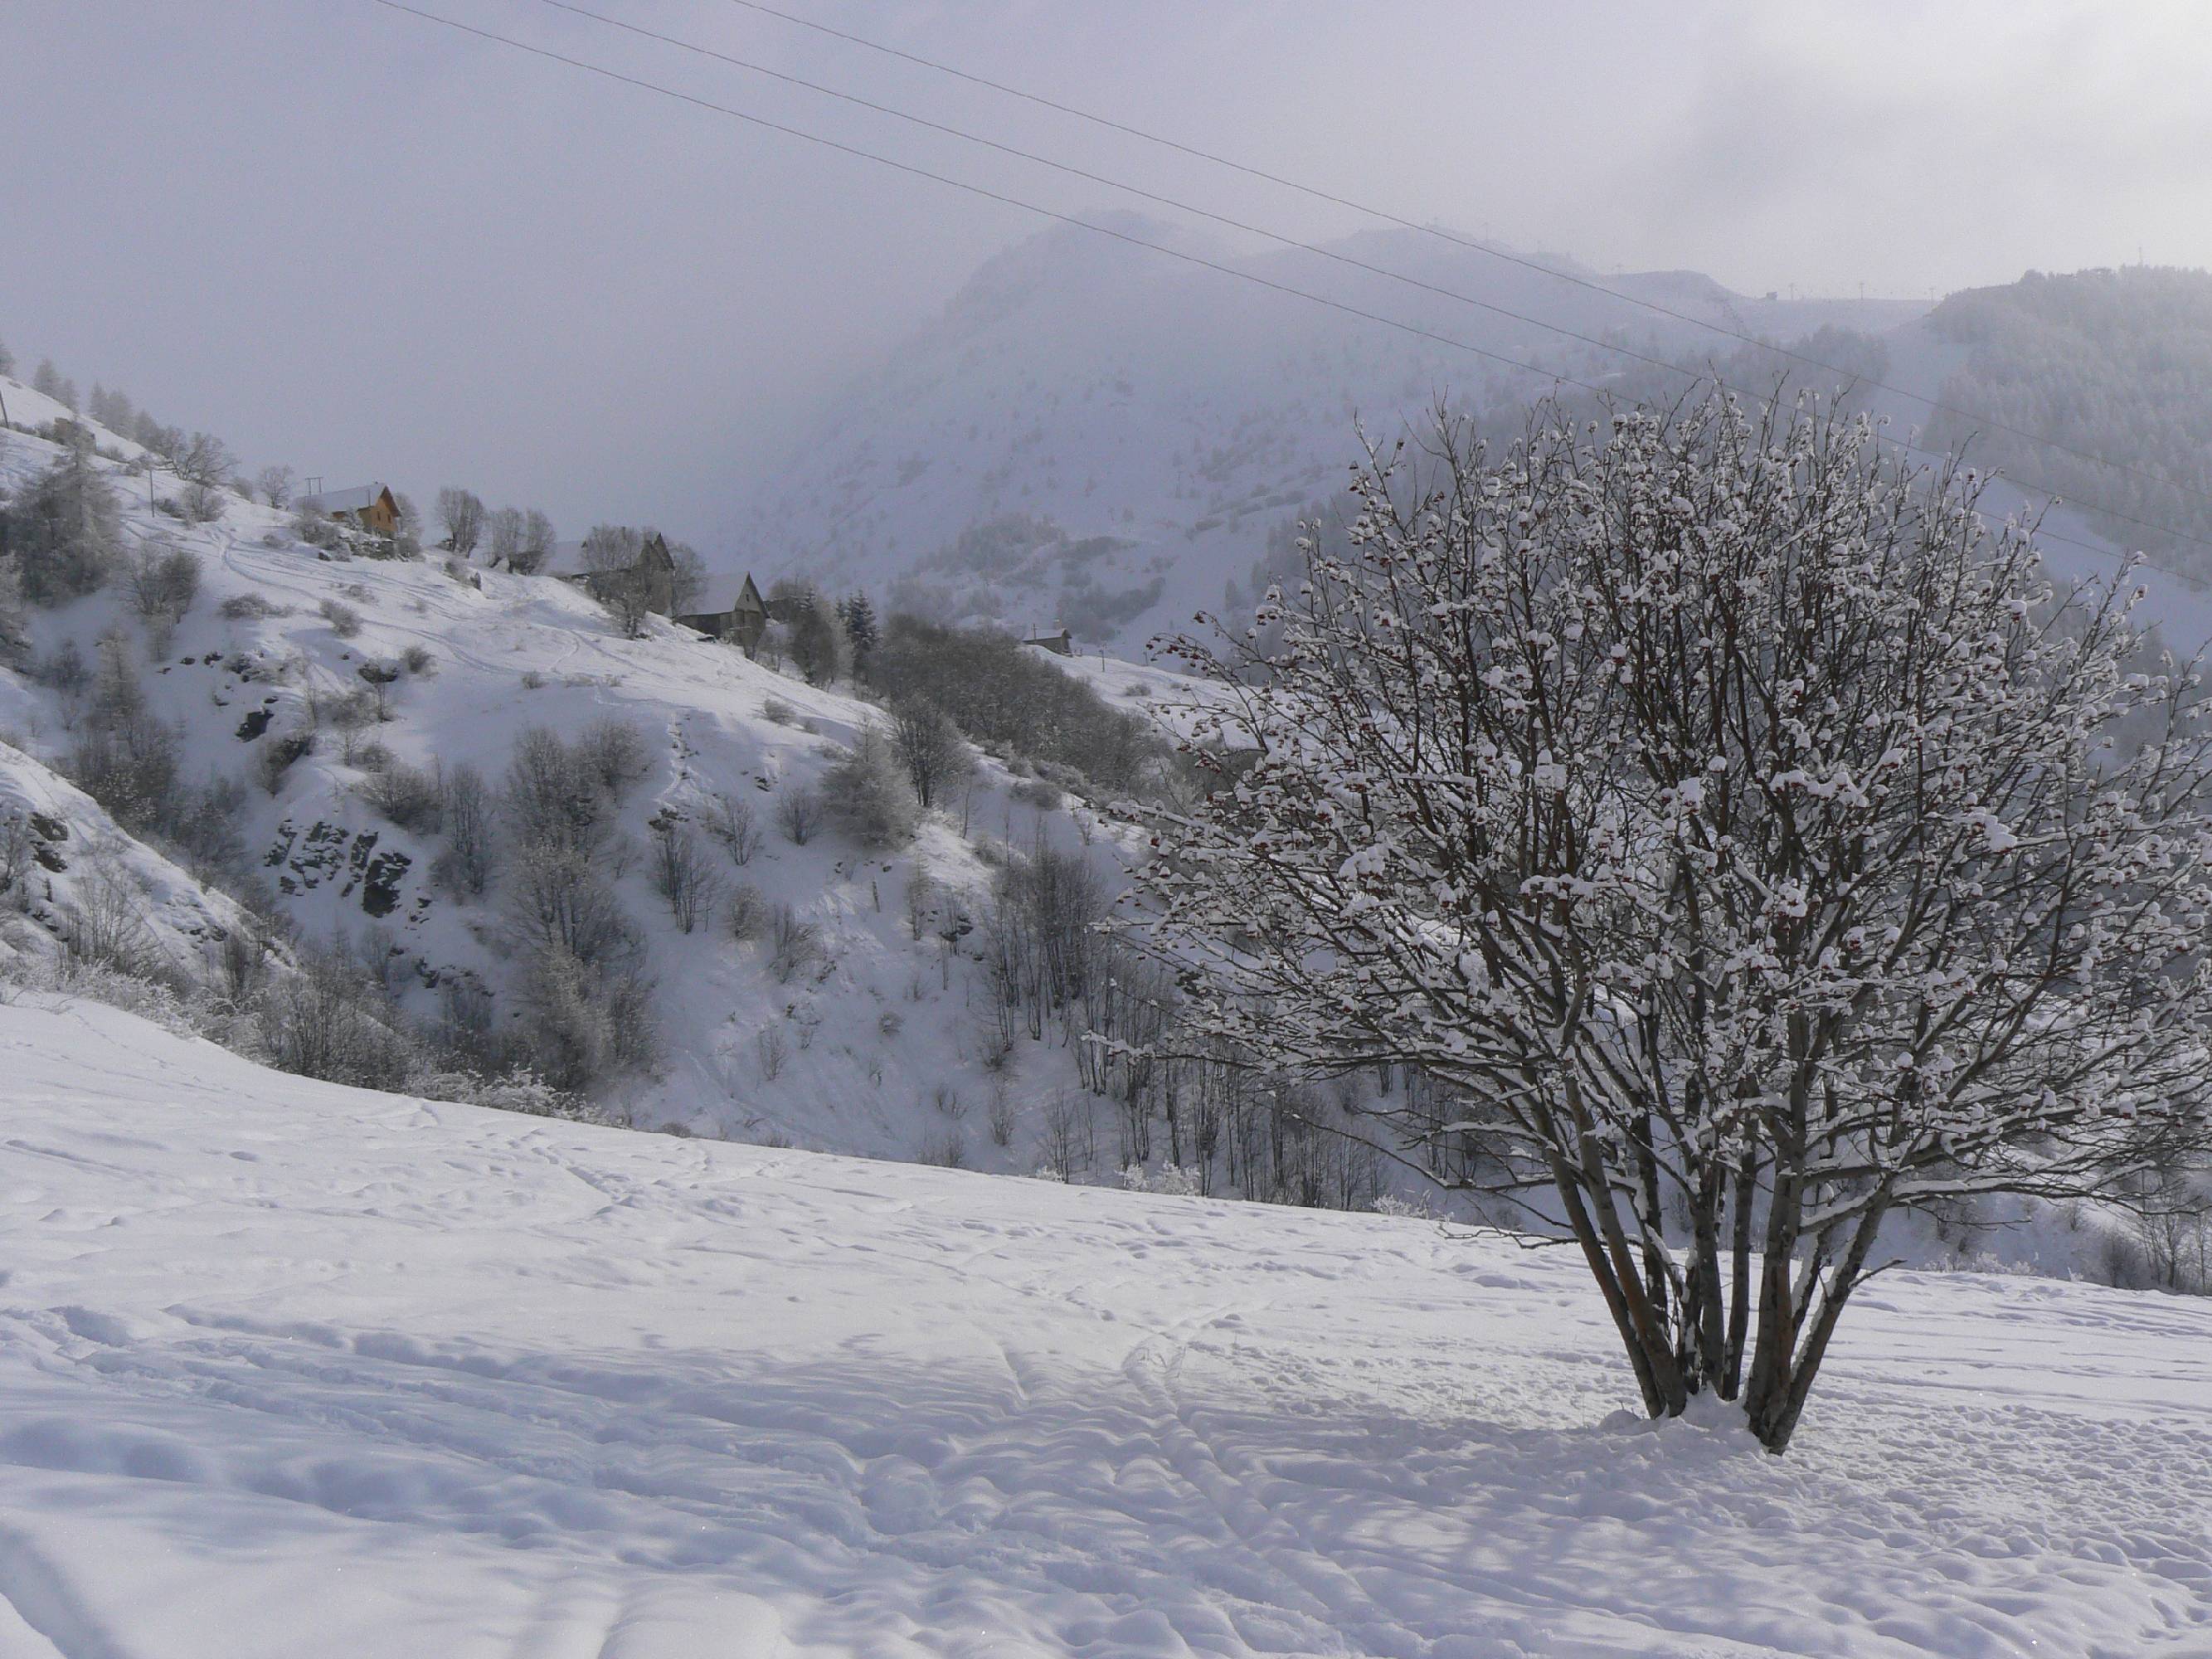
x: 1060, y: 643
x: 731, y: 611
x: 368, y: 506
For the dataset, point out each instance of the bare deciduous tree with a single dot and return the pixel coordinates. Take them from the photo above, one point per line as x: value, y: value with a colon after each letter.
x: 537, y: 544
x: 936, y: 758
x: 276, y: 486
x: 462, y: 513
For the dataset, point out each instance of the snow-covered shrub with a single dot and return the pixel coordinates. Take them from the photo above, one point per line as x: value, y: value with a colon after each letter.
x: 777, y: 711
x: 798, y: 813
x: 419, y: 661
x: 247, y: 607
x: 465, y: 810
x: 202, y: 503
x: 734, y: 825
x: 277, y: 756
x: 552, y: 795
x: 328, y: 1021
x: 344, y: 620
x: 615, y: 753
x: 318, y: 530
x: 62, y: 669
x: 866, y: 793
x: 558, y: 898
x: 794, y: 945
x: 411, y: 796
x: 587, y: 1023
x: 124, y: 757
x: 681, y: 874
x: 746, y: 908
x: 928, y: 746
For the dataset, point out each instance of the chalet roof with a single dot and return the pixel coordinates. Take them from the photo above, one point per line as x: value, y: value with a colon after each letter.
x: 342, y: 500
x: 721, y: 595
x: 567, y: 558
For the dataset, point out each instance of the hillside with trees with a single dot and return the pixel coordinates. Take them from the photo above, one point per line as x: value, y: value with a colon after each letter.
x: 2115, y: 364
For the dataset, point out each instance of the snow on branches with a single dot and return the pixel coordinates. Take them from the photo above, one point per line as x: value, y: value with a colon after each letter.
x: 1742, y: 826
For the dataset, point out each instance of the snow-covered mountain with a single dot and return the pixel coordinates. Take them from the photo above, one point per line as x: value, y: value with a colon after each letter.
x: 288, y: 1367
x: 848, y: 1017
x: 1095, y: 435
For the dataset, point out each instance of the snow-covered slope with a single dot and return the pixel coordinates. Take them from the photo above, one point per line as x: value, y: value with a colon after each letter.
x: 67, y: 872
x: 292, y: 1369
x: 1127, y: 429
x: 871, y: 1048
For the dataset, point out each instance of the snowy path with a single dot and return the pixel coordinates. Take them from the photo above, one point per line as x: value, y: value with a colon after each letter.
x: 287, y: 1369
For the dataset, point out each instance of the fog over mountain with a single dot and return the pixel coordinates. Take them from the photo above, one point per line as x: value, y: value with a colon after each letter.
x: 1095, y: 436
x: 357, y: 242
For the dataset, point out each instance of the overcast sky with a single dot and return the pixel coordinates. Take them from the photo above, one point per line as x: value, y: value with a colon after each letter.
x: 355, y: 241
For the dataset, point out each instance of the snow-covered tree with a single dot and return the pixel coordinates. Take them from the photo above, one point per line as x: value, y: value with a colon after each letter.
x: 537, y: 541
x: 857, y: 614
x: 462, y: 513
x: 929, y: 746
x: 613, y: 556
x: 503, y: 534
x: 203, y: 460
x: 1735, y: 825
x: 63, y: 529
x: 276, y: 485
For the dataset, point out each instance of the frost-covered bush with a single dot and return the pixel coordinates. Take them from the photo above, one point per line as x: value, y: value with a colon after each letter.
x: 279, y: 754
x: 318, y: 530
x: 681, y: 874
x: 124, y: 757
x: 413, y: 798
x: 733, y: 823
x: 466, y: 810
x: 867, y: 792
x: 798, y: 814
x: 746, y: 908
x: 794, y: 945
x: 616, y: 754
x: 344, y: 620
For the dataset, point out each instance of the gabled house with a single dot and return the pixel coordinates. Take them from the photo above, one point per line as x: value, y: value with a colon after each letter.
x: 1061, y: 644
x: 732, y: 612
x: 367, y: 506
x: 654, y: 567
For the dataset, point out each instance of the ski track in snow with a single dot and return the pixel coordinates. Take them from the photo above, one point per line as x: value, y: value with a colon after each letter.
x: 286, y: 1369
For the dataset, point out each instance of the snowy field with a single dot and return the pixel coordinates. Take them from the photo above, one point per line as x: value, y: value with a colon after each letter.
x: 288, y: 1368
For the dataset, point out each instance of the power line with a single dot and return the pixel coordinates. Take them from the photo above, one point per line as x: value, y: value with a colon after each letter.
x: 1935, y: 405
x: 988, y: 194
x: 1137, y: 191
x: 1692, y: 376
x: 1199, y: 260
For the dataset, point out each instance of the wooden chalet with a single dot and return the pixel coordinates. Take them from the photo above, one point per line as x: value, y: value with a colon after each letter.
x: 732, y: 612
x: 367, y: 506
x: 566, y: 563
